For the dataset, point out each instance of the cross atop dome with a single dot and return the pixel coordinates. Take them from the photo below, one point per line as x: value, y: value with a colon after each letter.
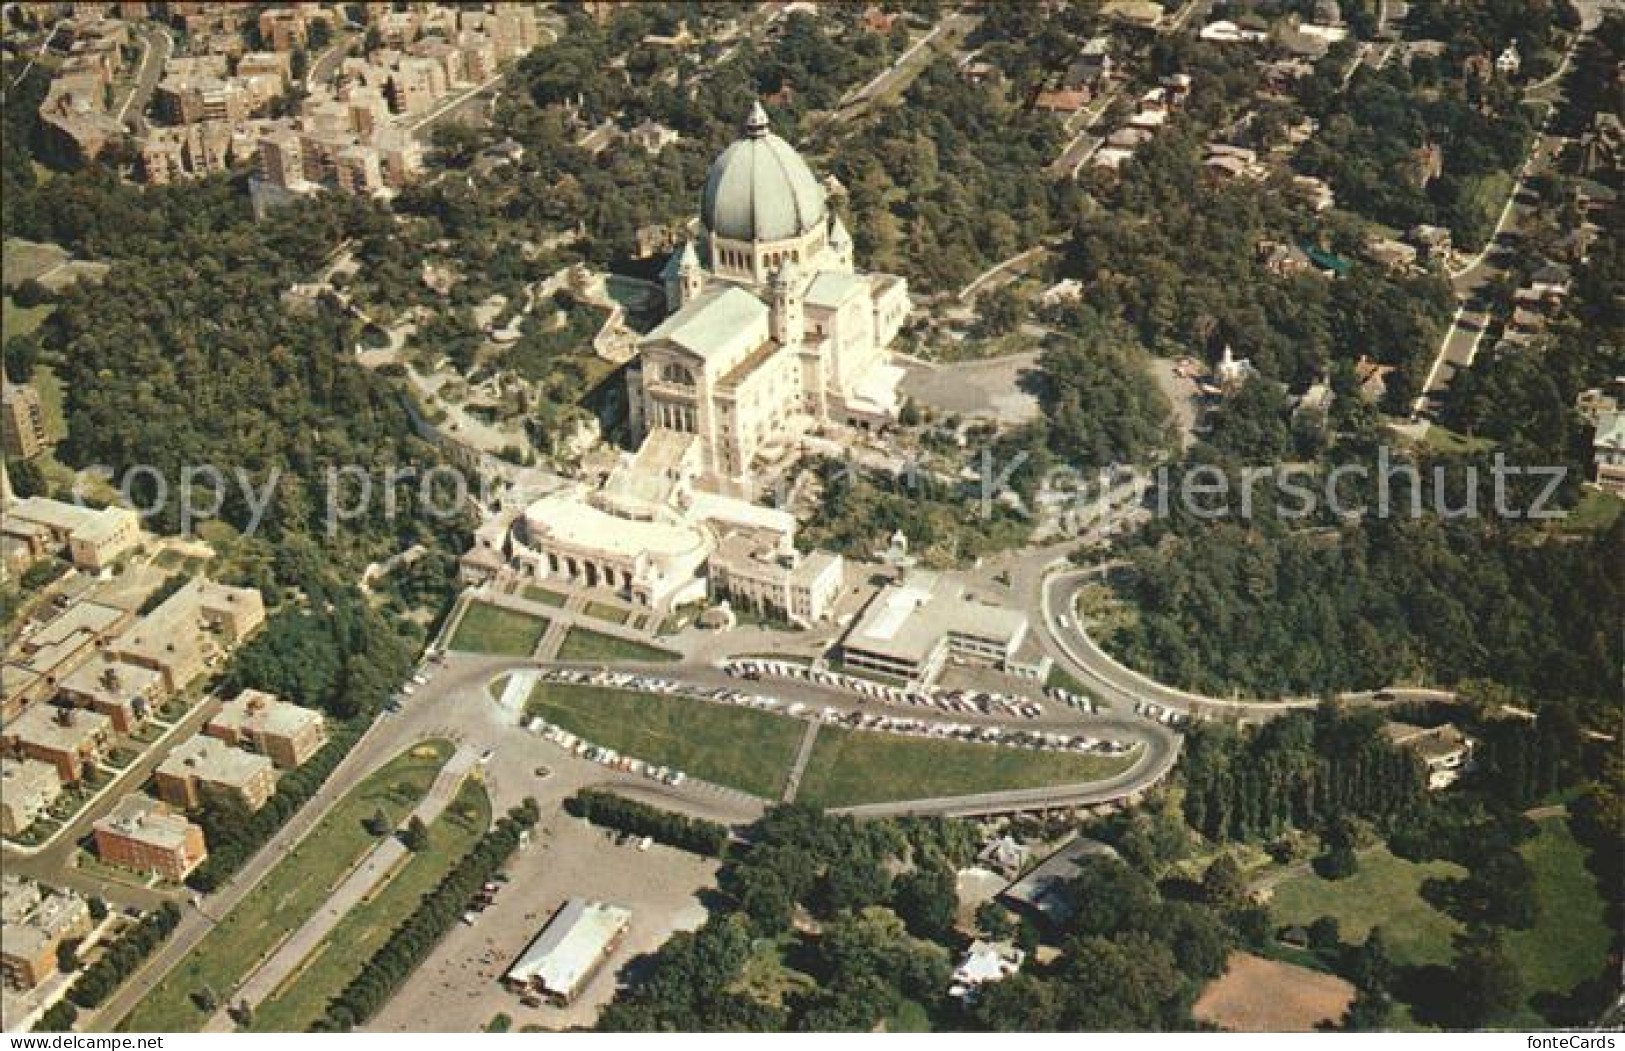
x: 756, y: 124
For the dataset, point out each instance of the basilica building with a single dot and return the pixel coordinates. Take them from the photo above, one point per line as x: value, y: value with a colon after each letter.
x: 771, y: 331
x: 770, y: 334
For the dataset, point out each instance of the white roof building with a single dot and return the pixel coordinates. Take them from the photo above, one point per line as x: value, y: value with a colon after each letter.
x: 985, y: 962
x: 569, y: 950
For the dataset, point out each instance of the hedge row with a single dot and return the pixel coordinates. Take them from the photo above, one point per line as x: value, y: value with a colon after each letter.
x: 640, y: 819
x: 435, y: 915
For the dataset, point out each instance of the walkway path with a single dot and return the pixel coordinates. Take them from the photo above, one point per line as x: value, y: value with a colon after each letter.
x: 792, y: 784
x: 367, y: 877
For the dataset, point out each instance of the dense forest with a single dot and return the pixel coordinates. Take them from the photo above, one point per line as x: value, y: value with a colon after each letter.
x: 1177, y: 260
x: 1228, y: 606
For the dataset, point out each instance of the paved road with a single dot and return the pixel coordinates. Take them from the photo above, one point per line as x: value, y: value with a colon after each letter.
x: 156, y: 47
x: 1081, y: 655
x: 53, y: 862
x: 327, y: 63
x: 1462, y: 339
x: 900, y: 71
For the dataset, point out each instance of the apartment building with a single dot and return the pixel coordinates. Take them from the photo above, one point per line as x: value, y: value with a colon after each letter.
x: 27, y: 789
x: 67, y: 739
x: 203, y: 766
x: 191, y: 631
x: 287, y: 734
x: 23, y: 434
x: 144, y: 835
x: 91, y: 538
x: 125, y: 693
x: 32, y: 924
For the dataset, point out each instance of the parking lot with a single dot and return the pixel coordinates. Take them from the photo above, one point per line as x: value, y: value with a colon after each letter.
x: 459, y: 989
x: 962, y: 702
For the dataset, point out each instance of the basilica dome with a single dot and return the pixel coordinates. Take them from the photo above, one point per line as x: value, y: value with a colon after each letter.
x: 760, y: 189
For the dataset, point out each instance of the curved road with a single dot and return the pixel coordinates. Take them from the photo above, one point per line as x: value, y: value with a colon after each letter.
x: 1075, y: 651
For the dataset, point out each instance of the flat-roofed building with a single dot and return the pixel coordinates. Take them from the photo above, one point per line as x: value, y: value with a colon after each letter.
x: 42, y: 659
x: 91, y: 537
x: 32, y: 924
x: 67, y: 739
x: 203, y: 766
x: 125, y: 693
x: 287, y: 734
x: 912, y: 628
x: 191, y: 631
x: 562, y: 959
x: 27, y: 788
x: 768, y: 574
x: 143, y: 835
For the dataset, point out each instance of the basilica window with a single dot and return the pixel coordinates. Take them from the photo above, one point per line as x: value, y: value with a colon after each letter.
x: 672, y: 372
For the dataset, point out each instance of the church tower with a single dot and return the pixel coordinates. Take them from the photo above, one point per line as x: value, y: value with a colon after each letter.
x: 683, y: 277
x: 788, y: 317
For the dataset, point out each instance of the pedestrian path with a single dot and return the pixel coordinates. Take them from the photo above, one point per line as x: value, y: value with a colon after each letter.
x: 792, y: 784
x: 362, y: 882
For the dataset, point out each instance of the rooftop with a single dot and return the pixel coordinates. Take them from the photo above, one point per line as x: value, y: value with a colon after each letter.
x: 258, y: 712
x: 211, y: 759
x: 907, y: 620
x: 722, y: 322
x: 59, y: 729
x: 571, y: 945
x: 145, y: 819
x: 1044, y: 888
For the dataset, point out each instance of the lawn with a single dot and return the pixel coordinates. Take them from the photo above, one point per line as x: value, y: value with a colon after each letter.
x: 1596, y: 512
x: 1383, y: 892
x: 289, y: 895
x: 303, y: 998
x: 491, y: 629
x: 20, y: 321
x: 21, y: 260
x: 851, y: 767
x: 604, y: 611
x: 544, y: 596
x: 1569, y: 942
x: 584, y: 644
x: 1442, y: 439
x: 738, y: 747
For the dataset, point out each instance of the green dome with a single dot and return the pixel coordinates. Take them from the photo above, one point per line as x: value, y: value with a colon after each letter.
x: 760, y: 189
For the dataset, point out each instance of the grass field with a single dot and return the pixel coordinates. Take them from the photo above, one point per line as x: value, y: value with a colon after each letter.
x: 543, y: 595
x: 604, y: 611
x: 491, y: 629
x: 1596, y: 512
x: 584, y: 644
x: 1383, y: 892
x: 850, y: 767
x: 20, y: 321
x: 1570, y: 941
x: 290, y: 894
x: 1258, y: 995
x: 21, y: 260
x: 738, y: 747
x: 304, y: 997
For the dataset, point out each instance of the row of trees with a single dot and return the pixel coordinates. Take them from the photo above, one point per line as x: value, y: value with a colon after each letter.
x: 436, y: 914
x: 640, y: 819
x: 117, y: 961
x: 1298, y: 771
x: 235, y: 834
